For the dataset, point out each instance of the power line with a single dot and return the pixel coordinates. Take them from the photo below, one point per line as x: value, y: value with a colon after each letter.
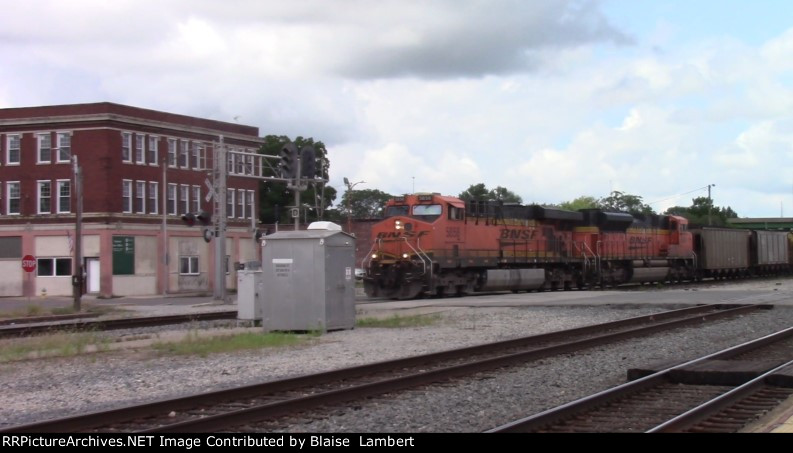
x: 679, y: 195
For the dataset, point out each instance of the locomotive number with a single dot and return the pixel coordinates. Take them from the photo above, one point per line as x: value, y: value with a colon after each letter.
x: 453, y: 233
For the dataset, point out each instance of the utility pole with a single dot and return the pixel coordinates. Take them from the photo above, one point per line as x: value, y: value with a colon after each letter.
x: 219, y: 213
x: 77, y: 278
x: 710, y: 204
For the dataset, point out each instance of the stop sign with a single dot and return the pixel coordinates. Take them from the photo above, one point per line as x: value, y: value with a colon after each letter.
x: 29, y: 263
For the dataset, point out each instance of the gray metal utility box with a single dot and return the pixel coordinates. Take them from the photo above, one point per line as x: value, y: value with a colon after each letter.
x: 308, y: 279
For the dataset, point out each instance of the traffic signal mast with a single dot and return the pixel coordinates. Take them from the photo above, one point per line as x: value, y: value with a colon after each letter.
x: 258, y: 166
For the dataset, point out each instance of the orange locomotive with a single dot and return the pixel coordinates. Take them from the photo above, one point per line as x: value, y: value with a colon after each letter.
x: 433, y: 245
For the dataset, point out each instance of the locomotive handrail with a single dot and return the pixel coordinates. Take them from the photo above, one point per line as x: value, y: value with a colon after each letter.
x: 369, y: 255
x: 429, y: 260
x: 420, y: 254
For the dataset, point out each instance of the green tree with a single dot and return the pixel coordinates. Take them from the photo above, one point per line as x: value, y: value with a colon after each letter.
x: 619, y: 201
x: 701, y: 210
x: 505, y: 195
x: 363, y: 204
x: 582, y: 202
x: 480, y: 192
x: 275, y: 197
x: 474, y: 192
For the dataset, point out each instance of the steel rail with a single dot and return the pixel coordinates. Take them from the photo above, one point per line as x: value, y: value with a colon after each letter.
x: 694, y: 315
x: 113, y: 324
x: 572, y: 408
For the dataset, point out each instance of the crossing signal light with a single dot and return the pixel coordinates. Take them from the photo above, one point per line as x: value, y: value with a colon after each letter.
x: 189, y: 219
x: 204, y: 217
x: 289, y: 161
x: 308, y: 162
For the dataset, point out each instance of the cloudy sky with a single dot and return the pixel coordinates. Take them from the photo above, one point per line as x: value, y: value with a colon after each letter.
x: 553, y: 99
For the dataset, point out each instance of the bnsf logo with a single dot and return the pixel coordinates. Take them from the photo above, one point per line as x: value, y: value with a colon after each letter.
x: 407, y: 234
x: 517, y: 234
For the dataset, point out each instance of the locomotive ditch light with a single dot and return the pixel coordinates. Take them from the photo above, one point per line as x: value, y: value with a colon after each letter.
x: 405, y: 255
x: 374, y: 256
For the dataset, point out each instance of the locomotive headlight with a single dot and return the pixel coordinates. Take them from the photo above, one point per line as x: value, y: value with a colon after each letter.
x: 398, y: 225
x: 405, y: 255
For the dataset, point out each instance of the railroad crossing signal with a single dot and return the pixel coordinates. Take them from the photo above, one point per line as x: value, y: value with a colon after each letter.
x: 289, y: 161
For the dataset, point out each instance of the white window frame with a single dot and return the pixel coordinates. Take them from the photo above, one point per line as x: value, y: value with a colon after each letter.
x: 10, y: 185
x: 40, y: 197
x: 230, y: 158
x: 195, y: 151
x: 230, y: 203
x: 172, y: 149
x: 9, y: 140
x: 126, y: 147
x: 41, y: 139
x: 64, y: 140
x: 241, y: 203
x: 184, y: 198
x: 184, y: 154
x: 64, y: 203
x: 196, y: 199
x: 152, y: 151
x: 126, y: 196
x: 154, y: 197
x: 140, y: 149
x: 251, y: 203
x: 140, y: 197
x: 172, y: 202
x: 191, y: 262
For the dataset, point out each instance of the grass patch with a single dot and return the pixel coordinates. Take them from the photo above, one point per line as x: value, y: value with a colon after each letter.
x: 193, y: 344
x: 397, y: 321
x: 56, y: 345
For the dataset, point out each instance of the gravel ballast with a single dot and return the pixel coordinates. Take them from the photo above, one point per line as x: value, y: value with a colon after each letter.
x: 36, y: 390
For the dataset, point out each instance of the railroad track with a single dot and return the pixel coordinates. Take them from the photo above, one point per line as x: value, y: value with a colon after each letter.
x: 82, y: 324
x: 721, y: 392
x: 243, y: 408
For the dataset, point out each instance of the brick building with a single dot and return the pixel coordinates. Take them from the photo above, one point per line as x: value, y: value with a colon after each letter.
x: 142, y: 169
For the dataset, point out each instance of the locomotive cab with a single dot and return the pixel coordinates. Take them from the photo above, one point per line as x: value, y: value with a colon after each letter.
x: 406, y: 243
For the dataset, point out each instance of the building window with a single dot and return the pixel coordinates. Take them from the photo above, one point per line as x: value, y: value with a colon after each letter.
x: 153, y: 198
x: 12, y: 150
x: 64, y: 196
x: 172, y: 152
x: 196, y: 199
x: 140, y: 157
x: 230, y: 159
x: 12, y: 197
x: 251, y: 204
x: 188, y: 265
x: 126, y: 195
x: 54, y: 267
x: 202, y: 156
x: 230, y: 202
x: 126, y: 147
x: 140, y: 197
x: 184, y: 199
x: 171, y: 199
x: 45, y: 148
x: 196, y: 159
x: 241, y: 203
x: 184, y: 159
x: 64, y: 147
x: 152, y: 150
x: 44, y: 197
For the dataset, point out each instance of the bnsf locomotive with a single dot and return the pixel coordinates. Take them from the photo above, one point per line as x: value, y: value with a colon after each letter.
x: 433, y: 245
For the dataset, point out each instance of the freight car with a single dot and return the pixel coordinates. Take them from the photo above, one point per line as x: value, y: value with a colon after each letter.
x: 429, y: 244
